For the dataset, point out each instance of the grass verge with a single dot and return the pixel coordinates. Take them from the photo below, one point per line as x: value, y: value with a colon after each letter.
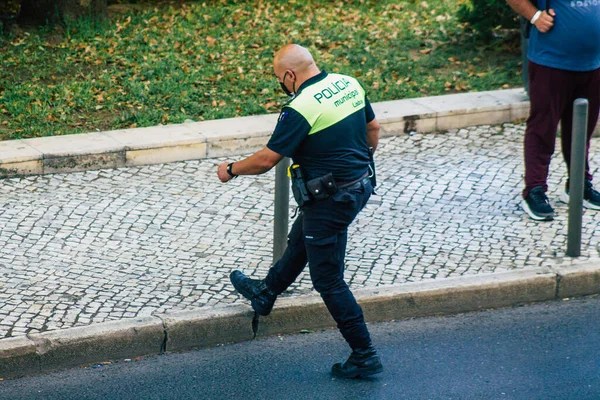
x: 167, y: 62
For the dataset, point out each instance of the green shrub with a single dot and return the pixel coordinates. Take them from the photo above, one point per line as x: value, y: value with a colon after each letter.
x: 485, y: 16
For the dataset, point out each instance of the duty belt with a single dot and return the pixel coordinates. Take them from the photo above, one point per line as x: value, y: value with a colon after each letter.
x: 342, y: 185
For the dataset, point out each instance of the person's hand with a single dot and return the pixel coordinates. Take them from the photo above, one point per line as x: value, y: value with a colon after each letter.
x: 222, y: 172
x: 546, y: 21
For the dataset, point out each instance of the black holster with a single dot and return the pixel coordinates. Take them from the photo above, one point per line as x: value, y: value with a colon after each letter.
x: 372, y: 173
x: 299, y: 189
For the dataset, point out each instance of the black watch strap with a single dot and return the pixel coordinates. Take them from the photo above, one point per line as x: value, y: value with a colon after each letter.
x: 229, y: 170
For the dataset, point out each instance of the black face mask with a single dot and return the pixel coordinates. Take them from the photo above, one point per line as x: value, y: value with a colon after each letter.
x: 282, y: 84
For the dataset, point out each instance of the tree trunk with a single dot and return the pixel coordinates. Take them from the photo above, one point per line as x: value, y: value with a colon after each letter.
x: 35, y: 11
x: 9, y: 10
x: 42, y: 11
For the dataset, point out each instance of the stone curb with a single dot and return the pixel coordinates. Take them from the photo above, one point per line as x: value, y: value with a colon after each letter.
x: 185, y: 330
x: 238, y: 136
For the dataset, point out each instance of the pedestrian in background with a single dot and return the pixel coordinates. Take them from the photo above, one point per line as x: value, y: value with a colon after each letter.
x: 326, y: 128
x: 564, y: 64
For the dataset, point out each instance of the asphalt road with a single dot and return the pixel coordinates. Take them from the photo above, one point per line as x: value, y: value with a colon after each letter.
x: 542, y: 351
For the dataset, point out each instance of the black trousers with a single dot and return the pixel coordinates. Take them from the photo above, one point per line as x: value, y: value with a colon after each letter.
x: 319, y: 236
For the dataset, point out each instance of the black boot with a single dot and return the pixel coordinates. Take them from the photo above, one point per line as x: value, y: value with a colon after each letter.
x: 361, y: 363
x: 261, y: 297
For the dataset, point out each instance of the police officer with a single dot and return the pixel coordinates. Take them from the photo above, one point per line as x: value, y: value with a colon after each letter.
x: 326, y: 128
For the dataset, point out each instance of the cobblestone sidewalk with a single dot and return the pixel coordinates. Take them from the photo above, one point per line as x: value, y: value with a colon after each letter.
x: 81, y: 248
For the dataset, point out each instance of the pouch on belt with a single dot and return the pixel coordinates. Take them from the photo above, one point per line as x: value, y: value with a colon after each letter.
x: 322, y: 187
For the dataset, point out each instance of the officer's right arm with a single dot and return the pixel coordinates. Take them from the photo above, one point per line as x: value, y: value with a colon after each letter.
x: 291, y: 130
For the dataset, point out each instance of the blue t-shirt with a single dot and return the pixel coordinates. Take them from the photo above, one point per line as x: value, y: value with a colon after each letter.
x: 573, y: 43
x: 340, y: 149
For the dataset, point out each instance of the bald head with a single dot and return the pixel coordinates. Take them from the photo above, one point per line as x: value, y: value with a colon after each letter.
x: 294, y: 57
x: 296, y: 63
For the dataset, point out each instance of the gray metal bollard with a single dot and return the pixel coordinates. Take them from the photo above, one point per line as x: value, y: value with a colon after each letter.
x: 282, y: 209
x: 576, y: 177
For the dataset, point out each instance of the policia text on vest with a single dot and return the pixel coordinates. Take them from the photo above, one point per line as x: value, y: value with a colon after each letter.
x: 329, y: 101
x: 335, y: 88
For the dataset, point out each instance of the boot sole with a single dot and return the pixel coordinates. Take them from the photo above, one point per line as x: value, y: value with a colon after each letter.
x: 358, y: 374
x: 564, y: 197
x: 241, y: 291
x: 249, y: 296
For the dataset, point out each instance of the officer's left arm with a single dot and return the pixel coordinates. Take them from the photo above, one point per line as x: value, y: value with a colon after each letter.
x: 373, y: 134
x: 372, y: 126
x: 258, y: 163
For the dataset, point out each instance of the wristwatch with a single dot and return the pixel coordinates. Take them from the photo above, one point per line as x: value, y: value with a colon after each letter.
x: 229, y: 171
x: 535, y: 17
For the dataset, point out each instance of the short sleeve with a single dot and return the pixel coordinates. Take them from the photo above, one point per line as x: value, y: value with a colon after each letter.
x: 291, y: 130
x: 369, y: 113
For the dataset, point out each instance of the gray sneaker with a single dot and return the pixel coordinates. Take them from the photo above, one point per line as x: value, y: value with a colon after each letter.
x: 537, y: 206
x: 591, y: 197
